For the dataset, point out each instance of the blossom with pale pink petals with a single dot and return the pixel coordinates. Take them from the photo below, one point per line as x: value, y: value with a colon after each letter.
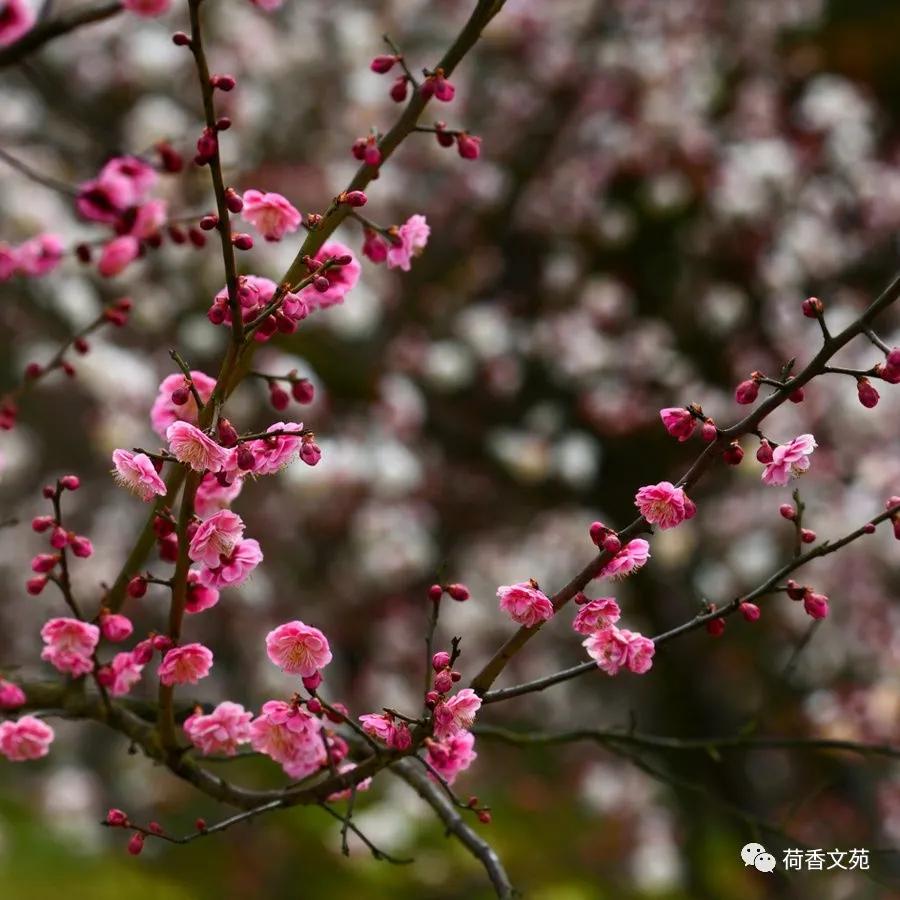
x: 290, y: 735
x: 186, y: 664
x: 136, y: 472
x: 124, y: 672
x: 216, y: 537
x: 70, y: 644
x: 789, y: 460
x: 664, y: 504
x: 678, y: 422
x: 189, y: 445
x: 16, y: 19
x: 11, y: 695
x: 628, y: 560
x: 27, y: 738
x: 452, y: 755
x: 235, y: 568
x: 456, y: 713
x: 413, y: 235
x: 596, y: 614
x: 525, y: 603
x: 270, y: 213
x: 220, y: 731
x: 164, y: 412
x: 298, y: 649
x: 341, y: 279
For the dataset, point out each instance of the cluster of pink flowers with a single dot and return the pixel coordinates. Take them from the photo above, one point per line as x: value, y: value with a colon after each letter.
x: 35, y: 257
x: 614, y: 648
x: 402, y: 244
x: 664, y: 504
x: 789, y: 460
x: 452, y: 755
x: 290, y: 735
x: 525, y: 603
x: 220, y: 731
x: 384, y: 727
x: 27, y: 738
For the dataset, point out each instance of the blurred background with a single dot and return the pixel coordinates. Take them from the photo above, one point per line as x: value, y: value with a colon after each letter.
x: 661, y: 184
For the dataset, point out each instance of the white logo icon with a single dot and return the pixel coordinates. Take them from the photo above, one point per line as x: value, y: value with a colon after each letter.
x: 756, y: 855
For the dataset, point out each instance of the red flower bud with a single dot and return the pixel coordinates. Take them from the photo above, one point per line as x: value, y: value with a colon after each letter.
x: 458, y: 592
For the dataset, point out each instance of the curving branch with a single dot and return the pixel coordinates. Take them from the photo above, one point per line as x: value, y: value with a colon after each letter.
x: 54, y: 28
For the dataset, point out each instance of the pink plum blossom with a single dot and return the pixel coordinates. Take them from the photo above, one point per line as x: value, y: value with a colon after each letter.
x: 115, y: 627
x: 664, y: 504
x: 791, y: 459
x: 290, y: 735
x: 24, y: 739
x: 596, y: 614
x: 188, y: 444
x: 341, y: 279
x: 11, y: 695
x: 614, y: 648
x: 216, y: 537
x: 385, y: 728
x: 212, y: 495
x: 640, y: 652
x: 678, y: 422
x: 298, y: 649
x: 70, y: 644
x: 185, y: 665
x: 455, y: 714
x: 271, y: 455
x: 235, y: 568
x: 164, y: 412
x: 136, y: 472
x: 628, y: 560
x: 525, y: 603
x: 413, y: 235
x: 124, y: 672
x: 451, y: 756
x: 220, y: 731
x: 139, y: 175
x: 40, y: 255
x: 16, y: 19
x: 105, y: 198
x: 199, y: 596
x: 117, y: 255
x: 270, y: 213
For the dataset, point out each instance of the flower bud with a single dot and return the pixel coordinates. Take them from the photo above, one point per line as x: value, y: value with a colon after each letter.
x: 44, y: 562
x: 716, y: 627
x: 181, y: 395
x: 224, y: 83
x: 812, y: 307
x: 279, y: 397
x: 242, y: 241
x: 116, y: 818
x: 233, y: 200
x: 747, y: 392
x: 440, y: 660
x: 807, y: 535
x: 435, y: 592
x: 245, y: 458
x: 867, y: 394
x: 787, y: 512
x: 35, y: 585
x: 42, y: 523
x: 303, y: 391
x: 311, y: 682
x: 733, y: 454
x: 228, y: 436
x: 443, y: 682
x: 764, y: 452
x: 382, y: 64
x: 816, y: 605
x: 136, y: 844
x: 708, y: 431
x: 399, y: 89
x: 136, y: 587
x: 750, y: 611
x: 458, y: 592
x: 70, y: 482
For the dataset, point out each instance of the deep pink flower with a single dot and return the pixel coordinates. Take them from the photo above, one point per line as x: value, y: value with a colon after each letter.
x: 70, y: 644
x: 271, y: 455
x: 234, y: 569
x: 216, y: 537
x: 451, y: 756
x: 190, y: 445
x: 290, y: 735
x: 629, y: 559
x: 11, y: 695
x: 124, y: 673
x: 468, y: 145
x: 147, y: 8
x: 816, y: 605
x: 199, y: 596
x: 609, y: 647
x: 212, y: 495
x: 455, y: 714
x: 596, y: 614
x: 40, y: 255
x: 341, y: 279
x: 525, y: 603
x: 16, y: 19
x: 117, y: 255
x: 115, y: 627
x: 270, y: 213
x: 640, y: 652
x: 185, y: 665
x: 105, y: 199
x: 27, y: 738
x: 385, y: 728
x: 136, y: 472
x: 220, y: 731
x: 664, y: 504
x: 678, y: 421
x: 298, y: 649
x: 791, y: 459
x: 165, y: 412
x: 413, y: 234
